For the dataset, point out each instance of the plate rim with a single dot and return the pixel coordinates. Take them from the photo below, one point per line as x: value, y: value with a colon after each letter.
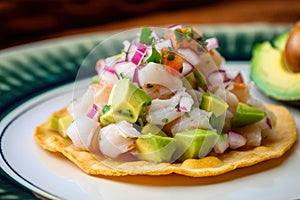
x: 27, y: 106
x: 7, y: 170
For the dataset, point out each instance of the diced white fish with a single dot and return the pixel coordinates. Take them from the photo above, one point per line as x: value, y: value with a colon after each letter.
x: 127, y: 129
x: 236, y: 140
x: 163, y: 111
x: 112, y: 142
x: 152, y: 73
x: 80, y: 106
x: 96, y: 94
x: 81, y: 131
x: 252, y: 133
x: 194, y: 119
x: 232, y: 101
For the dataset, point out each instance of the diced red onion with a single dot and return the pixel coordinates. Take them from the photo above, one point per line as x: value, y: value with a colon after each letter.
x: 222, y: 144
x: 187, y: 68
x: 109, y: 69
x: 236, y: 140
x: 268, y: 122
x: 212, y: 43
x: 135, y: 77
x: 185, y: 104
x: 139, y: 54
x: 127, y: 47
x: 217, y: 77
x: 93, y: 111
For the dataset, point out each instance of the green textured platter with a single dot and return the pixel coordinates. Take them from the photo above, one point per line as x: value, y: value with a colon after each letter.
x: 30, y: 70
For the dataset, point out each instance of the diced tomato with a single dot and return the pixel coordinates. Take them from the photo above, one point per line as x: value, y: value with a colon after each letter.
x: 238, y: 78
x: 172, y: 60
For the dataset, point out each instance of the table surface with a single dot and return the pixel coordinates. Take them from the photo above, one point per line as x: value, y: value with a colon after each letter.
x: 19, y: 24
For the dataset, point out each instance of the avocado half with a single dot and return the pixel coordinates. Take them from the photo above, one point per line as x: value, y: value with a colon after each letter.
x: 269, y: 73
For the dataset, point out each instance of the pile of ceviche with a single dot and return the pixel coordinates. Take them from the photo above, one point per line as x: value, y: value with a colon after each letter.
x: 165, y: 105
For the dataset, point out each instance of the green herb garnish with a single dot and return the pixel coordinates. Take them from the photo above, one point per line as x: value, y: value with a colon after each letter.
x: 155, y: 56
x: 106, y: 108
x: 165, y: 120
x: 145, y: 37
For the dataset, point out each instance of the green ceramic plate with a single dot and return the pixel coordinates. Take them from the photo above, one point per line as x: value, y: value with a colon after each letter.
x: 32, y: 69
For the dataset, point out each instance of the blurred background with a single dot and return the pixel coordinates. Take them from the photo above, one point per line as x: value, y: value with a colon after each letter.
x: 23, y: 21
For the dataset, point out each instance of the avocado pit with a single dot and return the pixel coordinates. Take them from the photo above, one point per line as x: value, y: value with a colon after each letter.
x: 292, y: 50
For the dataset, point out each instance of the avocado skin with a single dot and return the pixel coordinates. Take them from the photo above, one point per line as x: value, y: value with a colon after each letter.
x: 269, y: 73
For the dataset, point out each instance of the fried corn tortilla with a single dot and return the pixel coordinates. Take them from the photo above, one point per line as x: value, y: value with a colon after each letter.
x: 286, y: 136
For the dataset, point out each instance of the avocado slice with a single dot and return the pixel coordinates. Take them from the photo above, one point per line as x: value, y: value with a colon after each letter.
x: 155, y: 148
x: 280, y: 41
x: 194, y: 143
x: 195, y: 79
x: 213, y: 103
x: 270, y: 74
x: 63, y: 123
x: 152, y: 128
x: 126, y: 102
x: 54, y: 122
x: 245, y: 115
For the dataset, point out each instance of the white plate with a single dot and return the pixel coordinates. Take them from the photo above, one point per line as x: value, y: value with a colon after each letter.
x: 52, y: 176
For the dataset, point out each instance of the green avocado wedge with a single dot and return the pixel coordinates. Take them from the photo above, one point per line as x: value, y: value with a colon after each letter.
x: 126, y: 102
x: 269, y: 73
x: 194, y: 143
x: 155, y: 148
x: 246, y: 115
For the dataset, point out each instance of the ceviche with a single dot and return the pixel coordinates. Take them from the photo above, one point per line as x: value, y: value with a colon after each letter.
x: 164, y: 98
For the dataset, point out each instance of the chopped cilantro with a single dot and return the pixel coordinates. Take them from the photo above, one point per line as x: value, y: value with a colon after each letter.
x: 165, y: 120
x: 122, y: 75
x: 145, y: 37
x: 106, y: 108
x: 202, y: 41
x: 155, y: 56
x: 187, y: 114
x: 127, y: 113
x: 149, y: 85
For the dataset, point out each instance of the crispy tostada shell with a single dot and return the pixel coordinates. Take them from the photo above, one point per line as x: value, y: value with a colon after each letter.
x: 93, y: 164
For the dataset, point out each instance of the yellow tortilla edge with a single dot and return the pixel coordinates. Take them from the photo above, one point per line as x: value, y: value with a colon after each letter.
x: 286, y: 136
